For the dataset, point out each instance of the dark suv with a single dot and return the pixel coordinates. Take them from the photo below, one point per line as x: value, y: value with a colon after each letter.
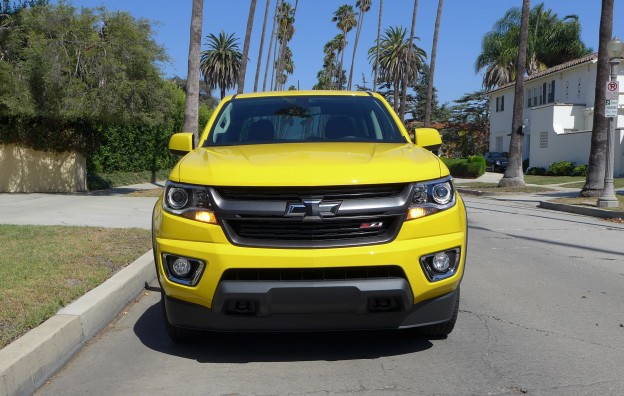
x: 496, y: 162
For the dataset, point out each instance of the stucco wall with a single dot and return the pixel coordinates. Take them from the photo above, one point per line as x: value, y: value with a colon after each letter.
x: 25, y: 170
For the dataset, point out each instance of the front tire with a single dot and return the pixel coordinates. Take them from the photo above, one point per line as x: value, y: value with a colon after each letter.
x: 441, y: 330
x: 177, y: 334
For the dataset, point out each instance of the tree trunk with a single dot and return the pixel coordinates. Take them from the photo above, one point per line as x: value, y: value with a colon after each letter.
x: 266, y: 16
x: 434, y: 51
x: 243, y: 67
x: 514, y: 175
x: 377, y: 52
x: 344, y: 48
x: 408, y: 61
x: 594, y: 182
x: 191, y: 107
x: 268, y: 62
x: 395, y: 105
x: 355, y: 45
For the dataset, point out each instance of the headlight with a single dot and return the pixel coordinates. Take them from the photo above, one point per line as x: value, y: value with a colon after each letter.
x: 192, y: 202
x: 431, y: 197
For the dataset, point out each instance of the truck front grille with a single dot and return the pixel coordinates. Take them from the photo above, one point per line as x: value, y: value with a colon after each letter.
x: 311, y: 217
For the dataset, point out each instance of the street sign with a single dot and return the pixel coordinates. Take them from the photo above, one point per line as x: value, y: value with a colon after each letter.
x: 612, y: 97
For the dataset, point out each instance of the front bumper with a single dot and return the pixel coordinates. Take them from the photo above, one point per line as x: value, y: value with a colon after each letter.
x: 305, y: 305
x: 310, y: 308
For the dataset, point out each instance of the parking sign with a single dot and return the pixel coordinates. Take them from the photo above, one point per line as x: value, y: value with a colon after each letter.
x: 612, y: 97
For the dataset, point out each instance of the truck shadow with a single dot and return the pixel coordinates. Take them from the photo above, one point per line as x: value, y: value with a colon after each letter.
x: 277, y: 347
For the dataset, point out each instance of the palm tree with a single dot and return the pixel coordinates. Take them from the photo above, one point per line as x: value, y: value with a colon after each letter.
x: 434, y: 51
x: 285, y: 32
x: 376, y: 67
x: 268, y: 61
x: 411, y: 40
x: 243, y: 68
x: 266, y: 16
x: 395, y: 68
x: 191, y: 107
x: 551, y: 41
x: 345, y: 21
x: 220, y: 63
x: 513, y: 173
x: 594, y: 182
x: 364, y: 7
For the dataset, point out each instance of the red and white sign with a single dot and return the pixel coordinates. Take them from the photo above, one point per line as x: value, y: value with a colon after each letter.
x: 612, y: 97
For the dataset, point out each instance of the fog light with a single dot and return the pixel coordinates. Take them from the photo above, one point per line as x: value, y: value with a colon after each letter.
x: 441, y: 262
x: 181, y: 268
x: 441, y: 265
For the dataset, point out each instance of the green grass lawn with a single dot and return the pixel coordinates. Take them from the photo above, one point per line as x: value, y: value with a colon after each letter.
x: 43, y: 268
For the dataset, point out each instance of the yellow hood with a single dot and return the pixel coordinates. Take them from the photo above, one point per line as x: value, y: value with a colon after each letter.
x: 308, y: 164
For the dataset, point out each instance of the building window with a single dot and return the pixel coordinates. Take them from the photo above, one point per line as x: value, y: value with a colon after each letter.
x: 499, y: 144
x: 529, y: 98
x: 500, y: 103
x: 551, y: 92
x: 535, y: 96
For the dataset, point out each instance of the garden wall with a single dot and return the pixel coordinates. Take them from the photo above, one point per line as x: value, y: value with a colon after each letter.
x: 24, y: 170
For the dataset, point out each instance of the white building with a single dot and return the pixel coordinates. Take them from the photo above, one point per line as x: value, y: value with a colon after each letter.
x: 558, y: 115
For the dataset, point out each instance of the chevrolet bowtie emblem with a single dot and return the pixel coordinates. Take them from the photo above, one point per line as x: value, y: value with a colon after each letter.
x: 312, y: 208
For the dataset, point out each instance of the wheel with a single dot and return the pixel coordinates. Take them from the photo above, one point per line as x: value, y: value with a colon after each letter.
x: 177, y: 334
x: 441, y: 330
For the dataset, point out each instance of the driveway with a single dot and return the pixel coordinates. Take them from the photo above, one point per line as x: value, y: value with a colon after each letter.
x: 106, y: 208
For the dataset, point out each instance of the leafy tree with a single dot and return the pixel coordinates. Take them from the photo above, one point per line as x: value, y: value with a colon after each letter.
x: 345, y: 21
x: 86, y: 80
x: 394, y: 66
x: 417, y: 103
x: 594, y: 182
x: 220, y: 63
x: 551, y: 41
x: 466, y: 132
x: 514, y: 175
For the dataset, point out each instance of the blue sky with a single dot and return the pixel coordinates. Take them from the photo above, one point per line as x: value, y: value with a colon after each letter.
x: 464, y: 22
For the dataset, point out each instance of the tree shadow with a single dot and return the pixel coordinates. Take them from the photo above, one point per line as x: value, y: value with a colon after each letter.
x: 278, y: 347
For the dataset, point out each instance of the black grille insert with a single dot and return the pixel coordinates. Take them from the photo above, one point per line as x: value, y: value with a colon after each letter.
x: 284, y: 229
x: 313, y: 274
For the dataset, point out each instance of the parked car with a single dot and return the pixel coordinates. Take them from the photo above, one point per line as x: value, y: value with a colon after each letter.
x: 305, y: 211
x: 496, y: 161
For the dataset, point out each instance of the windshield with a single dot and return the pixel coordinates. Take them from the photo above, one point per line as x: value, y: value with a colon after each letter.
x: 294, y: 119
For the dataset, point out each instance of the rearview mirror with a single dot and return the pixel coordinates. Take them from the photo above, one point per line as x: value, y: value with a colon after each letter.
x: 428, y: 138
x: 181, y: 143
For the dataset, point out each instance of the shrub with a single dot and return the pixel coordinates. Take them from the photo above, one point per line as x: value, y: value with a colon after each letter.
x: 536, y: 171
x: 478, y: 159
x: 561, y: 168
x: 462, y: 167
x: 580, y: 170
x: 525, y: 165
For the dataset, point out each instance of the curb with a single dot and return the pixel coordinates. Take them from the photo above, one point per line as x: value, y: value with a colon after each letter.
x: 28, y: 362
x: 586, y: 211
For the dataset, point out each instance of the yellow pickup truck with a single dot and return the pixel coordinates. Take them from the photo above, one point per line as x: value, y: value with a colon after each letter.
x: 308, y: 211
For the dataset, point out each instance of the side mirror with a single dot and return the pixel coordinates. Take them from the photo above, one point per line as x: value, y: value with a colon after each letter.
x: 428, y: 138
x: 181, y: 143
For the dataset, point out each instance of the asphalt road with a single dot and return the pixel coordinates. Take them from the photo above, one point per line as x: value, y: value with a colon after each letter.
x: 542, y: 313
